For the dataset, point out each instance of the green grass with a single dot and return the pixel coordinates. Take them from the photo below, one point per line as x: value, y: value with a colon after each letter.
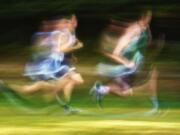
x: 124, y: 116
x: 87, y: 124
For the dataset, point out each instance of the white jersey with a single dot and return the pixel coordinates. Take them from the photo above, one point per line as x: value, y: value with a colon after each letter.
x: 62, y: 38
x: 57, y: 39
x: 72, y: 39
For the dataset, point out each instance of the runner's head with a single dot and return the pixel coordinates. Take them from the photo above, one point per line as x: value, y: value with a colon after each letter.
x: 145, y: 19
x: 72, y: 22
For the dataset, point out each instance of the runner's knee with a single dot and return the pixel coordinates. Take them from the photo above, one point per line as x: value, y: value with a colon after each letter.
x: 77, y: 78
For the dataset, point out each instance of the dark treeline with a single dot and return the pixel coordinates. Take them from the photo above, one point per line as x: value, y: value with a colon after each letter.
x: 19, y: 19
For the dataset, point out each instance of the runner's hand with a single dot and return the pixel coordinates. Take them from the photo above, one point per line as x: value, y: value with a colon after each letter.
x: 131, y: 64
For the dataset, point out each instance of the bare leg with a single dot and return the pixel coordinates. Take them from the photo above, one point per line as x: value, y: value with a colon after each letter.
x: 66, y: 85
x: 74, y: 80
x: 150, y: 87
x: 153, y: 90
x: 68, y: 89
x: 30, y: 89
x: 153, y: 83
x: 117, y: 90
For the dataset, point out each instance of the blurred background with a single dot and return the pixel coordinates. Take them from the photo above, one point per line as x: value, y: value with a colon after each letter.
x: 19, y: 19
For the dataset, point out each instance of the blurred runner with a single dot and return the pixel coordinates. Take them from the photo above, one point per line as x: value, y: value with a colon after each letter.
x: 129, y: 56
x: 49, y: 67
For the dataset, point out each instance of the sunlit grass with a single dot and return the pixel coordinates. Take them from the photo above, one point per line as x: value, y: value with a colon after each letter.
x: 122, y: 116
x: 69, y: 125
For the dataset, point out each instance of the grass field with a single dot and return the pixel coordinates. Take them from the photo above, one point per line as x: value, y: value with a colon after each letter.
x: 40, y: 115
x: 110, y: 120
x: 87, y: 124
x: 124, y: 116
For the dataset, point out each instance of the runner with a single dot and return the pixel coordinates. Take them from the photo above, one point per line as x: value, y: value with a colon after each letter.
x: 129, y: 55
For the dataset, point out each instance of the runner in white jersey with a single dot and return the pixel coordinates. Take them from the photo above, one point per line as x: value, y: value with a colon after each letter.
x: 51, y: 73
